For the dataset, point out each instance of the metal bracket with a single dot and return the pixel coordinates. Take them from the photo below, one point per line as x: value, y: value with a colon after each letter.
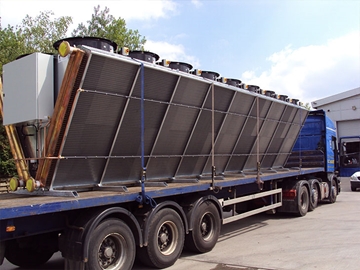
x: 183, y: 180
x: 110, y: 188
x: 154, y: 184
x: 209, y: 177
x: 53, y: 193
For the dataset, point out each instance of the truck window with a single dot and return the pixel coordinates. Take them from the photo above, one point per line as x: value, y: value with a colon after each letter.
x: 350, y: 154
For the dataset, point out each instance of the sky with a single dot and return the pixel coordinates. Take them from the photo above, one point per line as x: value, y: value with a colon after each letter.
x: 305, y: 49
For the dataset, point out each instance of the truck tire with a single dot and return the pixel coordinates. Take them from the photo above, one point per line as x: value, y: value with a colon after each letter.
x: 206, y: 229
x: 303, y: 201
x: 333, y: 192
x: 353, y: 188
x: 166, y: 240
x: 314, y: 196
x: 26, y: 257
x: 111, y: 247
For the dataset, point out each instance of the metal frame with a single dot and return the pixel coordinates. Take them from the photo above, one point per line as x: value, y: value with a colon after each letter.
x: 126, y: 87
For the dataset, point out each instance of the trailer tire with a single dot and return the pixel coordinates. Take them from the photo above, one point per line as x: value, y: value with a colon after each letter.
x: 333, y: 192
x: 112, y: 246
x: 166, y: 240
x: 314, y: 197
x: 26, y: 257
x: 303, y: 201
x: 205, y: 233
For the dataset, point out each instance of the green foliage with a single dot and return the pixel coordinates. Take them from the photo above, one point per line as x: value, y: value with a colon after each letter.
x: 41, y: 32
x: 104, y: 25
x: 11, y: 45
x: 33, y: 35
x: 307, y: 106
x: 7, y: 165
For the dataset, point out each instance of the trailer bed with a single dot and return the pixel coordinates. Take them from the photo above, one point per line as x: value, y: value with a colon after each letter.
x: 14, y: 205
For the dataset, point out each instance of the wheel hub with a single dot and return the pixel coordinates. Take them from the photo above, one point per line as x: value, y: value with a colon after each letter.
x: 163, y: 238
x: 108, y: 252
x: 167, y: 237
x: 204, y: 227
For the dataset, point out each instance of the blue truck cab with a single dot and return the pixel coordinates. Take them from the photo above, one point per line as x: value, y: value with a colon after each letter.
x: 316, y: 145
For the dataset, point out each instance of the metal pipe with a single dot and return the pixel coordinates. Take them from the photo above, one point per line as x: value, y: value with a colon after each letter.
x: 14, y: 152
x: 18, y: 151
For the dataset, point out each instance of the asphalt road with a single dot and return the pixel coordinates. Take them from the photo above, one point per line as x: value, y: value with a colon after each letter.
x: 327, y: 238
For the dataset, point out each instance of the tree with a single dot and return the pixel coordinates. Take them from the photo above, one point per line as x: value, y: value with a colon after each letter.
x: 7, y: 166
x: 104, y: 25
x: 41, y: 32
x: 307, y: 106
x: 11, y: 45
x: 33, y: 35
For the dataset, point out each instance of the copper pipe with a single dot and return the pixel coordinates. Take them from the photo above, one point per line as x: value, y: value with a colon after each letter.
x: 59, y: 118
x: 19, y: 153
x: 14, y: 153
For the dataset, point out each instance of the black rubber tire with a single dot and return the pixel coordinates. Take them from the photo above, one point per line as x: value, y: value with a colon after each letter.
x: 26, y: 257
x: 166, y: 240
x: 333, y: 192
x: 303, y: 201
x: 205, y: 233
x: 353, y: 188
x: 112, y: 246
x: 314, y: 197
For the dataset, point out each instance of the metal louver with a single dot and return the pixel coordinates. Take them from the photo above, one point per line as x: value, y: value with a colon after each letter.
x: 101, y: 141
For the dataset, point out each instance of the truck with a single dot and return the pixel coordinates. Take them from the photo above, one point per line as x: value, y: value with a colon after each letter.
x: 349, y: 155
x: 120, y: 156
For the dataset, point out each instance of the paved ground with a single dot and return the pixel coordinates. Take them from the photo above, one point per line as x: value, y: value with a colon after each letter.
x: 327, y: 238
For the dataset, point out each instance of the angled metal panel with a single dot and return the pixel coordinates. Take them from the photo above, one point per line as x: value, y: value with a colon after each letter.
x: 191, y: 92
x: 102, y: 137
x: 119, y: 125
x: 108, y: 74
x: 297, y: 117
x: 269, y: 156
x: 256, y: 153
x: 185, y: 167
x: 237, y: 159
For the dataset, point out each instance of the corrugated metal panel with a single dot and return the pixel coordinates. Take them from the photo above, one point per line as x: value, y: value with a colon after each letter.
x: 102, y: 144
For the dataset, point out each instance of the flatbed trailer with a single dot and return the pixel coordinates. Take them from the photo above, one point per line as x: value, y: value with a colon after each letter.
x: 142, y: 159
x: 17, y: 205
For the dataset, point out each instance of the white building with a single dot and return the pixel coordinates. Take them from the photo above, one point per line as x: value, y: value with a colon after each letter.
x: 344, y: 110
